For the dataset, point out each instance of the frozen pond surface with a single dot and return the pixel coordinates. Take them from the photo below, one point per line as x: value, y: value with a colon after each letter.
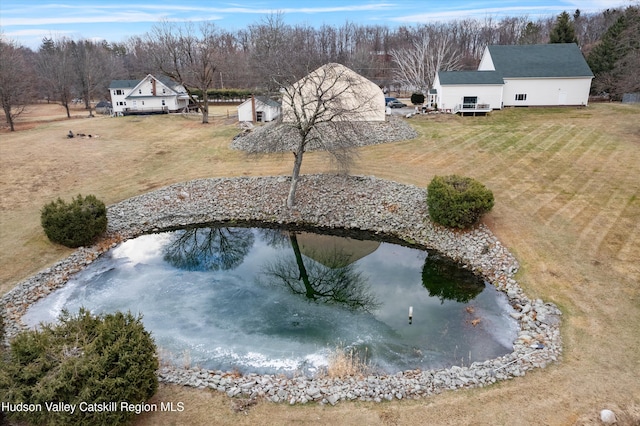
x: 271, y: 301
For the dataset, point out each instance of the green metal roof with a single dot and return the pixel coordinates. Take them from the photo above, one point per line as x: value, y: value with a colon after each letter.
x: 448, y: 78
x: 540, y: 61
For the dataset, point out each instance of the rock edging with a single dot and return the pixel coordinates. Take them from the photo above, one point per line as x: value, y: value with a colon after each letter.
x: 327, y: 201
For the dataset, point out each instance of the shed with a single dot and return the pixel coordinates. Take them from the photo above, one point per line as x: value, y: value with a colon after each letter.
x: 266, y: 109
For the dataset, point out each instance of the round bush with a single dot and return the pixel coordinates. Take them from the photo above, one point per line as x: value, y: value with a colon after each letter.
x: 75, y: 224
x: 417, y: 98
x: 456, y: 201
x: 83, y: 360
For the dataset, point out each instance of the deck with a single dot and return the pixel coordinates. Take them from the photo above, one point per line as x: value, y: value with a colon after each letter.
x: 472, y: 109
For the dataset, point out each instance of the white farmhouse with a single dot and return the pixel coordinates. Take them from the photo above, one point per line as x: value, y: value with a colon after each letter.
x: 147, y: 96
x: 259, y: 109
x: 518, y: 75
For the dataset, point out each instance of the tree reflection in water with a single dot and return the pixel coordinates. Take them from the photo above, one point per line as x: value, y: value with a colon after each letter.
x: 333, y: 280
x: 209, y: 249
x: 445, y: 279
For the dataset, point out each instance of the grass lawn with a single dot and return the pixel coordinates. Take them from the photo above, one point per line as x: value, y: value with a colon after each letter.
x: 567, y: 189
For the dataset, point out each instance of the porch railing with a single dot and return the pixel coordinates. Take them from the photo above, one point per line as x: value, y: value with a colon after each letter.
x: 472, y: 107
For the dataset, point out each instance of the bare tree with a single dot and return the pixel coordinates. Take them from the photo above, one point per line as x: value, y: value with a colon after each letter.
x: 418, y: 65
x: 16, y: 81
x: 94, y: 68
x: 326, y: 109
x: 188, y: 56
x: 55, y: 70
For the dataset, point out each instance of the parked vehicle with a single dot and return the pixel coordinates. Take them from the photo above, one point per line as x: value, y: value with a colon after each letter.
x: 396, y: 104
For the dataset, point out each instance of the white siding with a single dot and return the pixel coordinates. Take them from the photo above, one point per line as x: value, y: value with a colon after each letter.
x: 547, y: 91
x: 118, y: 101
x: 269, y: 112
x: 449, y: 96
x: 149, y: 95
x: 245, y: 111
x: 486, y: 63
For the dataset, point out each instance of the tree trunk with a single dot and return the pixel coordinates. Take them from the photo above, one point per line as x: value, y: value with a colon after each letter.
x: 66, y: 107
x: 9, y: 117
x: 297, y: 164
x: 309, y: 291
x: 205, y: 107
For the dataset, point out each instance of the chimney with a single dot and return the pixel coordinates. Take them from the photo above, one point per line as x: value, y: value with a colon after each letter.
x: 153, y: 86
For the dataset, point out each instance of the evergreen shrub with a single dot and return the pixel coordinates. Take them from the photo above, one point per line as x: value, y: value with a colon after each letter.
x: 75, y: 224
x: 84, y: 360
x: 417, y: 98
x: 457, y: 201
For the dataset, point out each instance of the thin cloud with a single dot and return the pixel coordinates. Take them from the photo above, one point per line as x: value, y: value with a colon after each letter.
x: 469, y: 13
x: 66, y: 14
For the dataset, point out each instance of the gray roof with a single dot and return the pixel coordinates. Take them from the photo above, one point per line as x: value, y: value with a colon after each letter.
x: 469, y: 77
x: 268, y: 101
x: 123, y: 84
x: 540, y: 60
x: 171, y: 84
x: 130, y: 84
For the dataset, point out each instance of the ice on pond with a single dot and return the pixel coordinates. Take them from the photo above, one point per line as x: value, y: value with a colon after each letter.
x: 274, y: 301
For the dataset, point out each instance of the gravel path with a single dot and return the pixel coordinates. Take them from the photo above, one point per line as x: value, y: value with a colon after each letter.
x: 330, y: 202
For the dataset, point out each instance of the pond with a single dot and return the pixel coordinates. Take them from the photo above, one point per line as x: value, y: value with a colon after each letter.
x: 273, y: 301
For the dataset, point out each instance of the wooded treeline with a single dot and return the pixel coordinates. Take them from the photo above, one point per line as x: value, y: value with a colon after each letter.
x: 203, y: 56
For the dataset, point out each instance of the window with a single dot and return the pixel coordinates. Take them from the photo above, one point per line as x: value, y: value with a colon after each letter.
x: 118, y: 92
x: 140, y: 91
x: 521, y: 97
x: 163, y: 103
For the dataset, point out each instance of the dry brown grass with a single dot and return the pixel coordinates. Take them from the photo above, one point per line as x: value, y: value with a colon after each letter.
x: 345, y: 363
x: 567, y: 188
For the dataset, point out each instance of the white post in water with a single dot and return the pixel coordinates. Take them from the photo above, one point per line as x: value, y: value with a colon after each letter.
x: 410, y: 314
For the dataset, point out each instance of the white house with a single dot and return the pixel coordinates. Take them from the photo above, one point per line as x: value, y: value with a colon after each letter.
x: 261, y: 109
x: 518, y: 75
x: 344, y: 96
x: 146, y: 96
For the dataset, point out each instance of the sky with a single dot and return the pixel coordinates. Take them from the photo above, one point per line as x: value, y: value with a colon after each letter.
x: 28, y: 21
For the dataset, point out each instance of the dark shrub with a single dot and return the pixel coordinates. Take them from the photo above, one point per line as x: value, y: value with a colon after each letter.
x: 75, y: 224
x: 457, y: 201
x: 83, y: 359
x: 417, y: 98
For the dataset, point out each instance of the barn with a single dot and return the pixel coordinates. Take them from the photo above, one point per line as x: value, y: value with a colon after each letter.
x: 518, y: 75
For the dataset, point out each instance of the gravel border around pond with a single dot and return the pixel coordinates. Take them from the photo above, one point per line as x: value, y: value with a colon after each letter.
x: 329, y: 202
x: 279, y: 137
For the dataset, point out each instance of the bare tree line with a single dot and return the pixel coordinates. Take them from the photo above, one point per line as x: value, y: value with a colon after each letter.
x: 203, y: 56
